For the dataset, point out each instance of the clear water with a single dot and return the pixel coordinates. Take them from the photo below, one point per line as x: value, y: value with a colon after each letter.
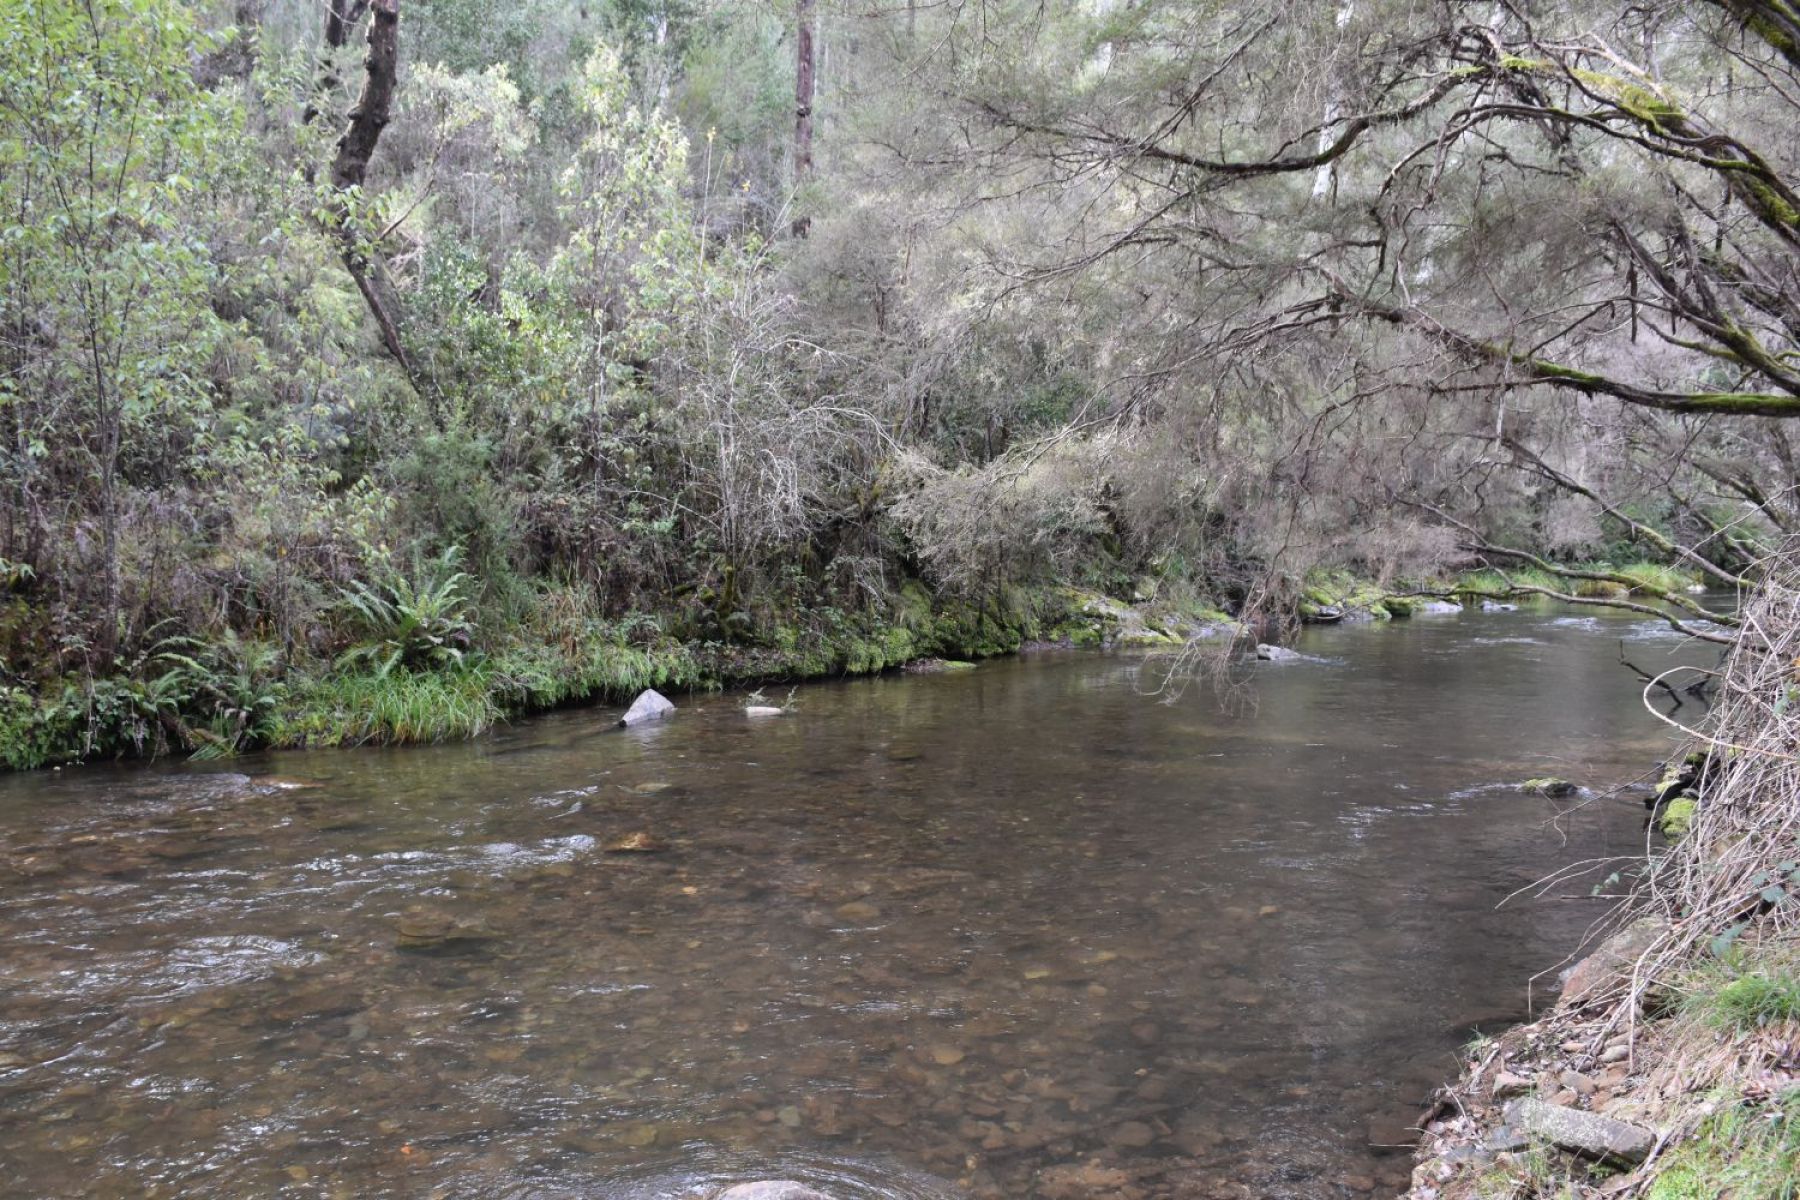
x: 1025, y: 931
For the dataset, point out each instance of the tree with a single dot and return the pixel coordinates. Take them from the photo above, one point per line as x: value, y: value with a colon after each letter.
x: 1537, y: 222
x: 805, y: 65
x: 103, y: 132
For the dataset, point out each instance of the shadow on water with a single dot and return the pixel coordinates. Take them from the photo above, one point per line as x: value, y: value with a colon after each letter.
x: 1018, y: 932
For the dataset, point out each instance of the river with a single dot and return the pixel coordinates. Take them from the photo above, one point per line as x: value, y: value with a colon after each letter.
x: 1025, y: 931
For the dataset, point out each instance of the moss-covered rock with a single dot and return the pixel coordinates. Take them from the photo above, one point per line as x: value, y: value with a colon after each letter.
x: 1678, y: 816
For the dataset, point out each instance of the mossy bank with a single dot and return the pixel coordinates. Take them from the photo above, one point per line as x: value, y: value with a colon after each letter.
x: 415, y: 678
x: 414, y: 664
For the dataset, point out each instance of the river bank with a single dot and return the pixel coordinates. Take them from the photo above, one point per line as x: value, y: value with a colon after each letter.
x: 213, y: 702
x: 1670, y: 1066
x: 422, y: 673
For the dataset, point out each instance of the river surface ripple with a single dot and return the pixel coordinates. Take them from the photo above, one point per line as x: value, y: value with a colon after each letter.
x: 1026, y: 931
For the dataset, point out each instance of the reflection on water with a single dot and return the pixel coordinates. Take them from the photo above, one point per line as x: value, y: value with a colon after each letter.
x: 1019, y: 932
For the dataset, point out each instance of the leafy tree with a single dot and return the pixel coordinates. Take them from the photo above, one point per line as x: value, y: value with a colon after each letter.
x: 104, y: 137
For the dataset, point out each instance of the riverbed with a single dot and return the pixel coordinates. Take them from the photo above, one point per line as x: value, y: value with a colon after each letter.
x: 1033, y: 930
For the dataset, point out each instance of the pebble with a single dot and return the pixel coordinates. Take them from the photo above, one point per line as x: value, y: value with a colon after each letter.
x: 1506, y: 1085
x: 1575, y: 1081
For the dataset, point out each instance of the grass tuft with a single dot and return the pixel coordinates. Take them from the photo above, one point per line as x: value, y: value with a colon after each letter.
x: 1754, y: 1001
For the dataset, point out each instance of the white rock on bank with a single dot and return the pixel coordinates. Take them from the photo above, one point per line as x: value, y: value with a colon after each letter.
x: 651, y: 705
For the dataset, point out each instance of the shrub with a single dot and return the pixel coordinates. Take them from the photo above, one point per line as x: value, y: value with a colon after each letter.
x: 413, y: 625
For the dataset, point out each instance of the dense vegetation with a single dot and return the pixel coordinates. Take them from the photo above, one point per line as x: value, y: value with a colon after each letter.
x: 376, y: 372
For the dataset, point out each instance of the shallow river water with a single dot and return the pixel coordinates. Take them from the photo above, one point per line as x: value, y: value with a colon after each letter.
x: 1025, y: 931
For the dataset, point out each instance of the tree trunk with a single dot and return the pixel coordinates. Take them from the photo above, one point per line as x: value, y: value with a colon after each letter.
x: 805, y: 23
x: 355, y: 148
x: 370, y: 116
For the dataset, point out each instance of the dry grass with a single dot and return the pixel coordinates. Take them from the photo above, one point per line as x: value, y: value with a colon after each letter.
x: 1738, y: 869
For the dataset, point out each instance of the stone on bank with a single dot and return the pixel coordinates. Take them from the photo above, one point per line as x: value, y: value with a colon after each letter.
x: 651, y: 705
x: 1585, y: 1133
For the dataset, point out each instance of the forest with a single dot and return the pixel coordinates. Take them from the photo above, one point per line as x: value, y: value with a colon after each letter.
x: 374, y: 370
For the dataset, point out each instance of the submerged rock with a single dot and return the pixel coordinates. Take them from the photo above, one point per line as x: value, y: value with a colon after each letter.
x: 1268, y: 653
x: 858, y: 910
x: 284, y: 783
x: 425, y: 927
x: 1556, y: 789
x: 771, y: 1189
x: 1588, y: 1134
x: 651, y: 705
x: 637, y: 843
x: 937, y: 666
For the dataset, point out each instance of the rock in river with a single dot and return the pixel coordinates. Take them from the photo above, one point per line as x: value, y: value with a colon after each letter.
x: 1269, y: 653
x: 651, y: 705
x: 424, y: 927
x: 771, y: 1189
x: 637, y: 843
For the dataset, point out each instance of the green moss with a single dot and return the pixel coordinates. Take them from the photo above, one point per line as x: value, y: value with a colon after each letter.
x: 1491, y: 584
x: 1344, y: 592
x: 1773, y: 34
x: 1678, y: 816
x: 1770, y: 201
x: 912, y: 606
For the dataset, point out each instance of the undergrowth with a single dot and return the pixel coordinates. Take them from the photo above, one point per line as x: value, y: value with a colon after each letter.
x: 414, y: 674
x: 1745, y: 1150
